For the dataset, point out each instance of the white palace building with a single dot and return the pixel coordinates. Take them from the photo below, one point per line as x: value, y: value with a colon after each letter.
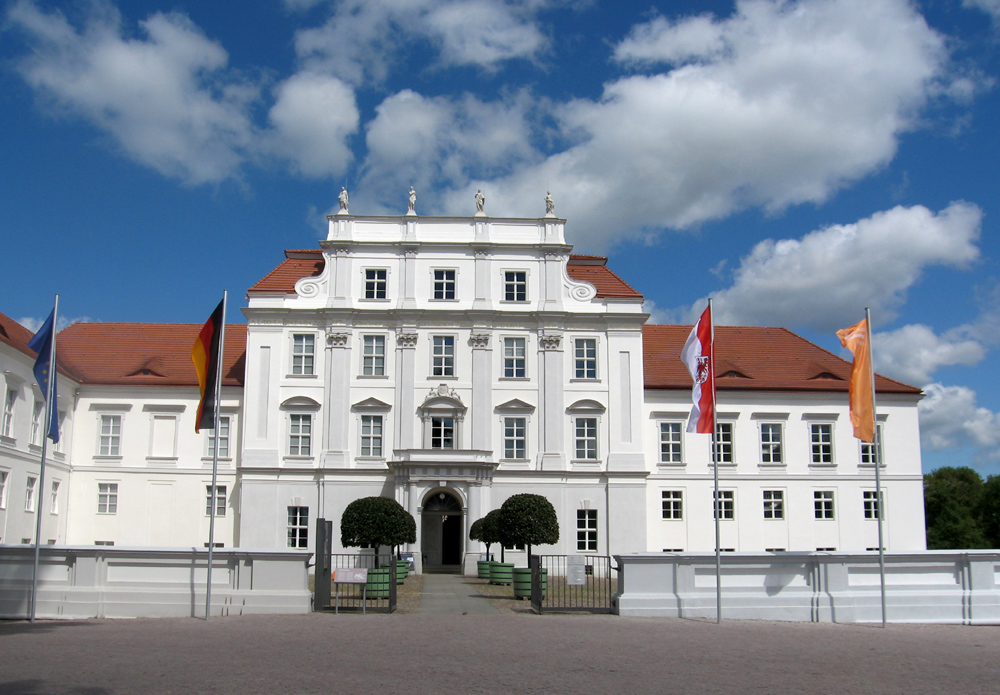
x: 449, y: 363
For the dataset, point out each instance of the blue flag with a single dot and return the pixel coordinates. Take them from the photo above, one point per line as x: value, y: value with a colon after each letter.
x: 44, y: 343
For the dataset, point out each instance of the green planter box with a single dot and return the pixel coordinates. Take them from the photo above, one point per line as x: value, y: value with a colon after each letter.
x: 378, y: 582
x: 402, y: 571
x: 522, y: 582
x: 484, y: 568
x: 501, y: 573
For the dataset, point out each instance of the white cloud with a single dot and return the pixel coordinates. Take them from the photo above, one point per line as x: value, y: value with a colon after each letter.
x: 913, y: 353
x: 418, y: 140
x: 990, y: 7
x: 313, y: 116
x: 779, y: 104
x: 166, y: 99
x: 33, y: 324
x: 825, y: 279
x: 362, y: 40
x: 950, y: 418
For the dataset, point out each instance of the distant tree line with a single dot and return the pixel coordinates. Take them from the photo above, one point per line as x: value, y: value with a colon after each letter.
x: 962, y: 510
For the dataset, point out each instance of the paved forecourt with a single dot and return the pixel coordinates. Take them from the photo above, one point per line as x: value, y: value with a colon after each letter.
x: 509, y: 653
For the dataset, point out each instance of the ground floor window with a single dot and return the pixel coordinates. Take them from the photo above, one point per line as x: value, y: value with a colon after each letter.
x: 823, y: 504
x: 871, y: 501
x: 672, y: 504
x: 298, y: 527
x: 725, y: 504
x: 586, y: 530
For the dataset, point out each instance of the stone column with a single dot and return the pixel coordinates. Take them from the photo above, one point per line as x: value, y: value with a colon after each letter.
x: 405, y: 416
x: 482, y: 300
x: 482, y: 392
x: 337, y: 404
x: 552, y: 410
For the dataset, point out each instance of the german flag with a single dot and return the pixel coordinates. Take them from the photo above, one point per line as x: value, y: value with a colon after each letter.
x: 206, y: 354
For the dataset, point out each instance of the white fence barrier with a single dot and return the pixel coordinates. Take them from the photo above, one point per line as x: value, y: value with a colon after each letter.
x: 117, y: 582
x: 921, y: 587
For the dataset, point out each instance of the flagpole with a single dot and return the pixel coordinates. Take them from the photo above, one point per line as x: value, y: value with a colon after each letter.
x: 717, y: 507
x: 215, y: 456
x: 40, y: 490
x: 877, y: 457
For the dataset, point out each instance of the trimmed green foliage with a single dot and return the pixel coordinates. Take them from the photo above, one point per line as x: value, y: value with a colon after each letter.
x: 953, y: 500
x: 375, y: 521
x: 528, y: 520
x: 486, y: 530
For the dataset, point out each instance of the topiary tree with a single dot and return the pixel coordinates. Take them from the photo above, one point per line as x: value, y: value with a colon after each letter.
x: 375, y: 521
x: 528, y: 520
x: 487, y: 530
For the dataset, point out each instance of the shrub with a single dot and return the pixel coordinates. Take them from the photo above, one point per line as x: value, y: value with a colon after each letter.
x: 528, y: 520
x: 375, y: 521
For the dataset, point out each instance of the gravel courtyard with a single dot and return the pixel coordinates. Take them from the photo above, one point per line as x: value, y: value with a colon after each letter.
x: 506, y: 653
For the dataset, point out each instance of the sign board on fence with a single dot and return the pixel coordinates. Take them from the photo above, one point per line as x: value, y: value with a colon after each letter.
x: 350, y: 576
x: 576, y: 570
x: 409, y: 559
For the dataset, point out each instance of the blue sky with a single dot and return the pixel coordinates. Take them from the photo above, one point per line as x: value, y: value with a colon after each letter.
x: 797, y: 161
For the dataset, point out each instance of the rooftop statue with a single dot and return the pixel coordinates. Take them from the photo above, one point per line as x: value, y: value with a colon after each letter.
x: 480, y: 202
x: 343, y: 199
x: 411, y: 204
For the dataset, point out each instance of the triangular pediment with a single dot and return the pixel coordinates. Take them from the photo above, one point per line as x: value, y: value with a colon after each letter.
x: 516, y: 404
x: 371, y: 404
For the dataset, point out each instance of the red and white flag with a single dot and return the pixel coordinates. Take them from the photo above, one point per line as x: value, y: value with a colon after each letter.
x: 699, y: 358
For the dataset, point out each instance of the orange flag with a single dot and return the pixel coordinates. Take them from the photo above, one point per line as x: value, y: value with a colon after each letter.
x: 862, y: 399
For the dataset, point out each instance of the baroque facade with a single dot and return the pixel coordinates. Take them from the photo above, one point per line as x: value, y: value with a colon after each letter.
x: 450, y: 363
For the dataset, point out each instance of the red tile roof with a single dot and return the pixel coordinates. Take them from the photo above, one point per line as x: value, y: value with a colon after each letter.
x: 297, y: 265
x: 309, y: 263
x: 144, y: 354
x: 593, y: 269
x: 17, y: 336
x: 752, y: 359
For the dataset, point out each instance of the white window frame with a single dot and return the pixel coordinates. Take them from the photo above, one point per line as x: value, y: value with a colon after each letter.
x: 4, y: 477
x: 515, y: 438
x: 37, y: 415
x: 372, y: 441
x: 672, y: 505
x: 587, y: 441
x: 821, y: 453
x: 299, y: 439
x: 515, y: 360
x: 824, y: 505
x: 225, y: 436
x: 585, y: 359
x: 54, y: 497
x: 107, y: 498
x: 303, y: 354
x: 220, y: 500
x: 586, y: 530
x: 443, y: 356
x: 9, y: 401
x: 29, y: 494
x: 443, y: 431
x: 725, y: 443
x: 373, y: 355
x: 109, y: 439
x: 867, y: 449
x: 671, y: 446
x: 298, y: 527
x: 376, y: 284
x: 727, y: 500
x: 871, y: 504
x: 444, y: 282
x: 771, y: 446
x: 774, y: 504
x: 515, y: 285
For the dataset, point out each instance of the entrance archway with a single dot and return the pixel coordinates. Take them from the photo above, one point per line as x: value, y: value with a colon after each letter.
x: 441, y: 530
